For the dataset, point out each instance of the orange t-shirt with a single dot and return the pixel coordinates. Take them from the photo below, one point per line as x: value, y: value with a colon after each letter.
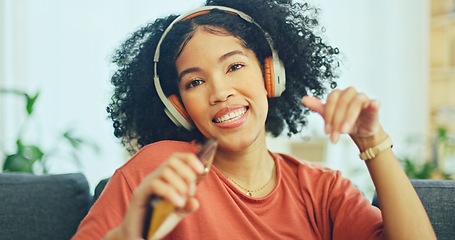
x: 308, y: 202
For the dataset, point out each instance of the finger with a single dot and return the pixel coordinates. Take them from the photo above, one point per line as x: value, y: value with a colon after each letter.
x: 182, y: 165
x: 195, y: 163
x: 191, y: 205
x: 174, y: 180
x: 359, y: 103
x: 340, y: 112
x: 167, y: 191
x: 313, y: 103
x: 157, y: 184
x: 371, y: 112
x: 329, y: 109
x: 375, y: 105
x: 187, y: 172
x: 180, y: 174
x: 370, y: 120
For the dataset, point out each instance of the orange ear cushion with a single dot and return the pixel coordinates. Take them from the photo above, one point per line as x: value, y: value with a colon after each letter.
x: 269, y: 77
x: 179, y: 107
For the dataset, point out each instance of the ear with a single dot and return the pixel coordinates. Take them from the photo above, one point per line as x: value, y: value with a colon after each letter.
x: 179, y: 107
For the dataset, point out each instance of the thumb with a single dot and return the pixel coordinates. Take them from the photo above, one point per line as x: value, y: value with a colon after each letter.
x: 191, y: 205
x: 313, y: 104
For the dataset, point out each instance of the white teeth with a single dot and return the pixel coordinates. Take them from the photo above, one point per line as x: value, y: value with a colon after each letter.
x: 231, y: 116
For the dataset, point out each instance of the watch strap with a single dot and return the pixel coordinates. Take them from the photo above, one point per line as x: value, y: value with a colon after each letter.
x: 372, y: 152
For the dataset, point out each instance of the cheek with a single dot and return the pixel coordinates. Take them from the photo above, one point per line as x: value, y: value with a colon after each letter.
x: 192, y: 110
x: 265, y: 103
x: 261, y: 95
x: 193, y: 105
x: 258, y: 89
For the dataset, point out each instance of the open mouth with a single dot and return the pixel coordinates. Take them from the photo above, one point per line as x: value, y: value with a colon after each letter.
x: 232, y: 116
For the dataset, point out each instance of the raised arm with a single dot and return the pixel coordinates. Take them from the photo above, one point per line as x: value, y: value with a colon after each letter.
x: 350, y: 112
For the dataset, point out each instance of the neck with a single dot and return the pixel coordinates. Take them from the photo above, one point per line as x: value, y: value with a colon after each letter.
x: 250, y: 167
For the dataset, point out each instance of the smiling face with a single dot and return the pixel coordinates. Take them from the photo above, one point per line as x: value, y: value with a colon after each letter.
x: 222, y: 89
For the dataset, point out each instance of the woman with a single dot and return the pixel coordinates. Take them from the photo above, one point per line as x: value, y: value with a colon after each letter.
x: 217, y: 73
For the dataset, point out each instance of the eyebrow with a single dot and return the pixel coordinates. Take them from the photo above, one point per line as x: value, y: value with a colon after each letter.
x: 229, y: 54
x: 220, y: 59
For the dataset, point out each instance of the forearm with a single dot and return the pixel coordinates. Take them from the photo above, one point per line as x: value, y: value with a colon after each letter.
x: 403, y: 214
x: 348, y: 111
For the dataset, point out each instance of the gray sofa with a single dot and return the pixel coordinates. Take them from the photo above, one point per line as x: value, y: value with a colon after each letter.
x: 438, y: 198
x: 42, y: 207
x: 51, y: 206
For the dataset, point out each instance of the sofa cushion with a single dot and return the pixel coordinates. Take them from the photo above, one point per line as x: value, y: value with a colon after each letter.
x: 42, y: 207
x: 99, y: 188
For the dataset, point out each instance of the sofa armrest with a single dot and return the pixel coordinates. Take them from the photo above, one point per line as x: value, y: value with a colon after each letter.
x: 438, y: 198
x: 42, y: 207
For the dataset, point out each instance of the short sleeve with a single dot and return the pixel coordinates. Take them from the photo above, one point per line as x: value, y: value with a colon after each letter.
x: 352, y: 215
x: 108, y: 211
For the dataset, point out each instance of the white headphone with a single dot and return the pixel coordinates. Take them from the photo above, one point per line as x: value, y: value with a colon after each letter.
x: 274, y: 76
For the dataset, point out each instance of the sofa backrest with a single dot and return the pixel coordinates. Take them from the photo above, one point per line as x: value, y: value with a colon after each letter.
x: 438, y: 198
x: 42, y: 207
x: 99, y: 188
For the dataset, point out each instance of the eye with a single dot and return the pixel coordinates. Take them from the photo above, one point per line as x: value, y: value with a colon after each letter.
x: 235, y: 67
x: 194, y: 83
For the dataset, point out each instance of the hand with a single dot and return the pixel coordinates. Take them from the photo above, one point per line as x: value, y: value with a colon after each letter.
x: 174, y: 181
x: 347, y: 111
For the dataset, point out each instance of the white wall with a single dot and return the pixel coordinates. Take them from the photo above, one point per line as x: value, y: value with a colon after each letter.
x: 384, y: 46
x: 385, y: 43
x: 63, y: 48
x: 2, y: 65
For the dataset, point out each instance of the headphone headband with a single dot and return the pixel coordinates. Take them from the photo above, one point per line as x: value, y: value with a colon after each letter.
x: 204, y: 10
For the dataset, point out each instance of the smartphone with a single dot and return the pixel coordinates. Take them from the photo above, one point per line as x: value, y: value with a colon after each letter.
x: 158, y: 209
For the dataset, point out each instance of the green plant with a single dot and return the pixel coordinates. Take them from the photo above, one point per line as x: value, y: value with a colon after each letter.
x: 444, y: 143
x: 418, y: 167
x: 426, y: 170
x: 31, y: 157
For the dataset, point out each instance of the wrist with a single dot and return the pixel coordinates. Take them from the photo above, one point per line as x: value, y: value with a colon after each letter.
x: 364, y: 143
x: 371, y: 146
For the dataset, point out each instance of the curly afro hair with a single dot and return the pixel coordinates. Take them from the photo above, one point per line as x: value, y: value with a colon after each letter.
x: 311, y: 65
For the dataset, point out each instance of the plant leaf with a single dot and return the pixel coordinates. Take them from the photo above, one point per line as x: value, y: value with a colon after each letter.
x: 18, y: 163
x: 74, y: 141
x: 31, y: 100
x: 34, y: 152
x: 31, y: 152
x: 77, y: 142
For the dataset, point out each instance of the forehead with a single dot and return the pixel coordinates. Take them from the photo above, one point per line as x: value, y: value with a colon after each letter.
x: 204, y: 43
x: 215, y: 30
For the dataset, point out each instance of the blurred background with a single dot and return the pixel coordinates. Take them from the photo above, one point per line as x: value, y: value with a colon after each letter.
x: 55, y: 56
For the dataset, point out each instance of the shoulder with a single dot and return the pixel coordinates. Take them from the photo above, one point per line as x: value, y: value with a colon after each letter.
x: 314, y: 177
x: 308, y: 168
x: 151, y: 156
x: 164, y: 148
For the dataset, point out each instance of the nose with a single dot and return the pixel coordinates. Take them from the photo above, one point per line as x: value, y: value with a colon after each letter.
x: 221, y: 91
